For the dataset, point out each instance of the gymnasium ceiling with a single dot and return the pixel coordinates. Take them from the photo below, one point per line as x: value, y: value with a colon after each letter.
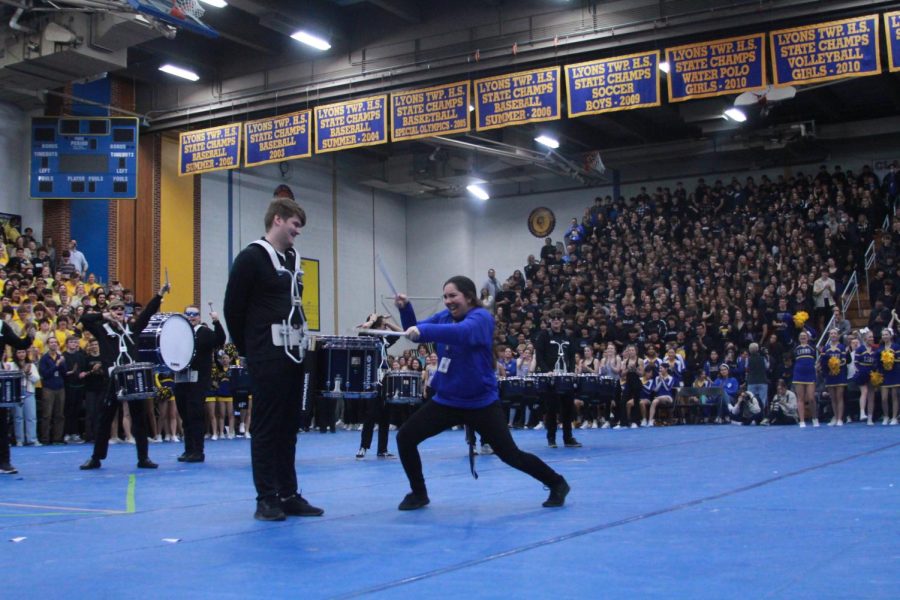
x: 254, y: 69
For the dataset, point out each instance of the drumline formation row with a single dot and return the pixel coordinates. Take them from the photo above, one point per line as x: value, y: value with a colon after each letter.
x: 594, y: 389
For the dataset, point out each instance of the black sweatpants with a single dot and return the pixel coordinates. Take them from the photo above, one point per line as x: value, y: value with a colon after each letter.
x: 4, y: 435
x: 190, y: 398
x: 433, y: 418
x: 73, y: 407
x: 564, y: 406
x: 277, y: 397
x: 377, y: 411
x: 108, y: 413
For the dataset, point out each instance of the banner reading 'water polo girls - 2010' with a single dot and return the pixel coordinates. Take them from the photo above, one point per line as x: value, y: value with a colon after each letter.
x: 278, y: 138
x: 892, y: 32
x: 426, y: 112
x: 517, y: 98
x: 351, y: 124
x: 718, y: 67
x: 210, y: 149
x: 611, y: 84
x: 826, y: 51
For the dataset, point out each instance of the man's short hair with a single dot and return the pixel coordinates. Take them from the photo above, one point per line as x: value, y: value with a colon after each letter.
x: 284, y: 208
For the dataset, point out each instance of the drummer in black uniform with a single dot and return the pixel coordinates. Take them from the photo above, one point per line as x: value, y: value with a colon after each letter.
x: 555, y: 353
x: 377, y: 409
x: 192, y: 383
x: 9, y: 337
x: 117, y: 338
x: 264, y: 316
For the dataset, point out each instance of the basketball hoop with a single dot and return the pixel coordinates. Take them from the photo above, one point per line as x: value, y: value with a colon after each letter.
x: 182, y: 8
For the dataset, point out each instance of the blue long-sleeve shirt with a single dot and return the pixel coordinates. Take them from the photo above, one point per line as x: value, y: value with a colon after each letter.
x: 465, y: 377
x: 52, y: 374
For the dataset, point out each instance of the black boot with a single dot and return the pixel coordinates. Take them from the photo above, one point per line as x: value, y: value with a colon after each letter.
x: 558, y: 493
x: 413, y: 501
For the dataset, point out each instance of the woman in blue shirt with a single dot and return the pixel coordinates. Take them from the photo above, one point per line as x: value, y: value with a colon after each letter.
x: 465, y: 391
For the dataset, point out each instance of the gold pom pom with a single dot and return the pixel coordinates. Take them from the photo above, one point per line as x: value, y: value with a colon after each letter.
x: 875, y: 378
x: 834, y: 365
x: 800, y: 319
x: 887, y: 359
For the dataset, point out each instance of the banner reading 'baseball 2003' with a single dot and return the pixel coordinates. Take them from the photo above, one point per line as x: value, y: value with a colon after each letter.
x: 611, y: 84
x: 210, y: 149
x: 351, y: 124
x: 439, y: 110
x: 826, y: 51
x: 715, y: 68
x: 517, y: 98
x: 278, y: 138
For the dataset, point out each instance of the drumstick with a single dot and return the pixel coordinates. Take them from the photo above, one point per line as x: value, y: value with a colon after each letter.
x: 382, y: 332
x: 383, y: 269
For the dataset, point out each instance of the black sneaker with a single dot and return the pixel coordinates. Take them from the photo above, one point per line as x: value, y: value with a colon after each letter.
x: 551, y: 444
x: 572, y: 443
x: 91, y: 463
x: 146, y: 463
x: 194, y: 458
x: 385, y: 455
x: 268, y: 510
x: 297, y: 506
x: 183, y: 457
x: 361, y: 453
x: 413, y: 501
x: 558, y: 493
x: 8, y: 469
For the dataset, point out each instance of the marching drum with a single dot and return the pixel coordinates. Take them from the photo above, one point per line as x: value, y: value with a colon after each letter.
x: 597, y: 389
x: 512, y: 390
x: 402, y: 387
x: 347, y: 367
x: 11, y: 388
x: 167, y: 340
x: 134, y: 381
x: 537, y: 385
x: 241, y: 385
x: 564, y: 383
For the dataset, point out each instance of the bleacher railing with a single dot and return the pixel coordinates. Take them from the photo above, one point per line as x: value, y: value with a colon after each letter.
x: 851, y: 291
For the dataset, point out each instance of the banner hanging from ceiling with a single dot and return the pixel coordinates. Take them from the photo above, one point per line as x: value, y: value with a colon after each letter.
x: 517, y: 98
x: 351, y: 124
x: 209, y: 149
x: 284, y: 137
x: 826, y: 51
x: 716, y: 68
x: 426, y: 112
x: 612, y: 84
x: 892, y: 33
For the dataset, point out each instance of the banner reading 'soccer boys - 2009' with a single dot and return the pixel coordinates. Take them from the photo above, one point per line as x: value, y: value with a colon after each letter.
x: 718, y: 67
x: 611, y: 84
x: 826, y: 51
x: 517, y: 98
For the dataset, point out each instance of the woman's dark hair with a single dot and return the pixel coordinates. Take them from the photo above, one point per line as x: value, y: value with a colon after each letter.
x: 466, y: 287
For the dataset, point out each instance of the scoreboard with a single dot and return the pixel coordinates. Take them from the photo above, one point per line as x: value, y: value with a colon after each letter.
x: 84, y: 157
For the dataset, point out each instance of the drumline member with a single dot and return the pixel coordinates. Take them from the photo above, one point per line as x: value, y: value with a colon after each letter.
x: 555, y: 353
x: 116, y: 338
x: 264, y: 314
x: 193, y: 383
x: 8, y: 337
x: 465, y: 391
x: 377, y: 409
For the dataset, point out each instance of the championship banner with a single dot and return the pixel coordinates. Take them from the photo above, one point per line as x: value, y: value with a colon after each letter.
x: 717, y: 68
x: 826, y: 51
x: 426, y: 112
x: 276, y: 139
x: 611, y: 84
x: 210, y: 149
x: 892, y: 31
x: 351, y: 124
x: 517, y: 98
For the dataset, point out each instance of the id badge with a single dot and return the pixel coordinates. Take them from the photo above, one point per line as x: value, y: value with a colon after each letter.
x: 444, y: 365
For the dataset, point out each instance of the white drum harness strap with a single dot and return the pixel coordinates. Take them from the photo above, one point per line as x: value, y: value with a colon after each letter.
x: 286, y: 335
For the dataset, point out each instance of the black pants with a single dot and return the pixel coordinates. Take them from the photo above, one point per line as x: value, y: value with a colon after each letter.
x: 377, y: 411
x: 93, y: 405
x: 564, y: 406
x: 629, y: 392
x: 277, y: 396
x: 190, y: 398
x: 72, y: 410
x: 108, y: 413
x: 4, y: 436
x: 433, y: 418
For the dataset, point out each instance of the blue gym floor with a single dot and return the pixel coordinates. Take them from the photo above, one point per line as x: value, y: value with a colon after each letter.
x: 676, y: 512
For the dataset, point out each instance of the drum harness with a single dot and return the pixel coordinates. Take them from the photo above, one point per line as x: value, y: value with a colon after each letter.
x: 288, y: 336
x: 560, y: 366
x: 123, y: 346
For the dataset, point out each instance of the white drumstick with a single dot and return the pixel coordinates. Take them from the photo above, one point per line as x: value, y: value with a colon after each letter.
x: 382, y: 332
x: 383, y: 269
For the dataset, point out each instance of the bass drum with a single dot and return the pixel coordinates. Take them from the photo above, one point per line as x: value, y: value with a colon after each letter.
x: 167, y: 340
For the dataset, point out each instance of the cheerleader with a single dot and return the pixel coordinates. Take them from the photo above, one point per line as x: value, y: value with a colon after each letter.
x: 648, y: 388
x: 833, y: 360
x: 886, y: 363
x: 805, y: 378
x: 864, y: 359
x: 224, y: 400
x: 664, y: 391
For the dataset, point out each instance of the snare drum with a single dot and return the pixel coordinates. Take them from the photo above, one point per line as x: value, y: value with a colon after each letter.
x: 512, y: 390
x: 347, y: 367
x: 167, y: 340
x: 240, y: 380
x: 564, y: 383
x: 402, y: 387
x: 134, y: 382
x: 597, y: 388
x: 11, y: 388
x: 537, y: 386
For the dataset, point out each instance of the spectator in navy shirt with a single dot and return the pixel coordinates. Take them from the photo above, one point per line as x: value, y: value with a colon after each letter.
x: 52, y: 368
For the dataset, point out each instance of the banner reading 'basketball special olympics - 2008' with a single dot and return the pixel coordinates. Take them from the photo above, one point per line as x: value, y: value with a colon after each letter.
x: 826, y: 51
x: 517, y: 98
x: 426, y: 112
x: 718, y: 67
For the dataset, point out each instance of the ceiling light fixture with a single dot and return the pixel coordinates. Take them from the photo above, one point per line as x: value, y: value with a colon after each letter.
x: 546, y: 140
x: 736, y: 114
x: 179, y: 72
x: 664, y: 67
x: 215, y: 3
x: 311, y: 40
x: 478, y: 191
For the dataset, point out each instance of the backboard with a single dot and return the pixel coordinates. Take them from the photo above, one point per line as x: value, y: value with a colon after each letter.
x: 162, y: 11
